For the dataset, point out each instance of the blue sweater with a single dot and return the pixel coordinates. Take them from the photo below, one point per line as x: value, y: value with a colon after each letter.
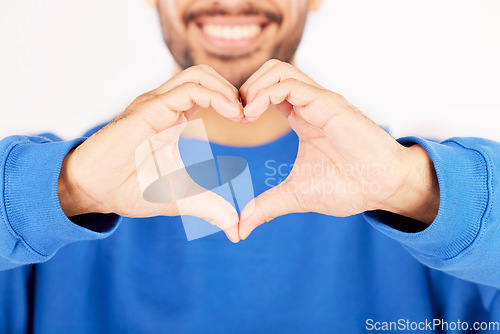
x: 300, y: 273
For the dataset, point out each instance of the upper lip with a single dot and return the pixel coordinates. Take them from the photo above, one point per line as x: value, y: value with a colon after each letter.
x: 243, y: 14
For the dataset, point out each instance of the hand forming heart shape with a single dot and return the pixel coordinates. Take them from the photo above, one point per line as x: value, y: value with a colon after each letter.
x: 345, y: 164
x: 362, y: 167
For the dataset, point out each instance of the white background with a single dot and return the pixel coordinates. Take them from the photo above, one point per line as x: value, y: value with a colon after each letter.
x: 422, y: 67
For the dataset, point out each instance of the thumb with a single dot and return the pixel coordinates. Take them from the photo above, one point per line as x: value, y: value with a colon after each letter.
x: 214, y: 209
x: 273, y: 203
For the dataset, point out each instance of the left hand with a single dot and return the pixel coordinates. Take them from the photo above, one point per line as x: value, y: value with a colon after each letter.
x: 345, y: 164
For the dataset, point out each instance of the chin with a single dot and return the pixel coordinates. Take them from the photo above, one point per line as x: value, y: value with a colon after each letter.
x: 239, y: 79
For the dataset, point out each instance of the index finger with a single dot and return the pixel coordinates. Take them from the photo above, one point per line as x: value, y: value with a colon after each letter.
x: 202, y: 75
x: 269, y: 74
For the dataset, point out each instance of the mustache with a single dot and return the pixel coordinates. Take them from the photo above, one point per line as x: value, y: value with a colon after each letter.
x: 217, y: 10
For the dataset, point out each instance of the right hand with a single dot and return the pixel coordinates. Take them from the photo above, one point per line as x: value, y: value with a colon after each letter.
x: 100, y: 175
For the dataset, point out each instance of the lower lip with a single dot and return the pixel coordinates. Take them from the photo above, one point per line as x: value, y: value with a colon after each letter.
x: 230, y: 44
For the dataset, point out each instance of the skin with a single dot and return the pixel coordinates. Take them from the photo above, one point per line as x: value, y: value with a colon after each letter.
x: 279, y: 41
x: 285, y: 18
x: 243, y: 92
x: 335, y: 136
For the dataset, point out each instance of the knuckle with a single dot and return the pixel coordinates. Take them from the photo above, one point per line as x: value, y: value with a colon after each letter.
x: 193, y: 71
x: 335, y: 96
x: 205, y: 67
x: 143, y: 98
x: 282, y: 65
x: 273, y: 61
x: 188, y: 85
x: 290, y: 81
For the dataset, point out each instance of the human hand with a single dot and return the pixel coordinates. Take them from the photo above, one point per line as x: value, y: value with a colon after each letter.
x: 100, y: 175
x: 345, y: 163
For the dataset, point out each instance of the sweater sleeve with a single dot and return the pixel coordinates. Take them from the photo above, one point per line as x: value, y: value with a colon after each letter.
x: 33, y: 225
x: 464, y: 238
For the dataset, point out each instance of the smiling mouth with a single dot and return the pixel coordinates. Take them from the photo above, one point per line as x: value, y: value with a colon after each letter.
x: 232, y: 32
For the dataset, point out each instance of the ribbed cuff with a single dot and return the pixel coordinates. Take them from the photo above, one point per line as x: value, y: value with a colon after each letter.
x: 464, y: 193
x: 32, y: 210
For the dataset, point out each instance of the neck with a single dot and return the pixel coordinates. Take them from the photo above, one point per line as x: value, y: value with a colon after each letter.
x: 270, y: 126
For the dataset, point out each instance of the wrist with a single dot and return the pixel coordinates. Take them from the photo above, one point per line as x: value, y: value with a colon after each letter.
x: 417, y: 196
x: 72, y: 198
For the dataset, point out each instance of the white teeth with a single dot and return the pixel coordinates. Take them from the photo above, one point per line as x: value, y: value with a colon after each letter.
x: 230, y: 32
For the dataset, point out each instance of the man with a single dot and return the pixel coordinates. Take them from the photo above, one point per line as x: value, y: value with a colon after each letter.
x: 433, y: 269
